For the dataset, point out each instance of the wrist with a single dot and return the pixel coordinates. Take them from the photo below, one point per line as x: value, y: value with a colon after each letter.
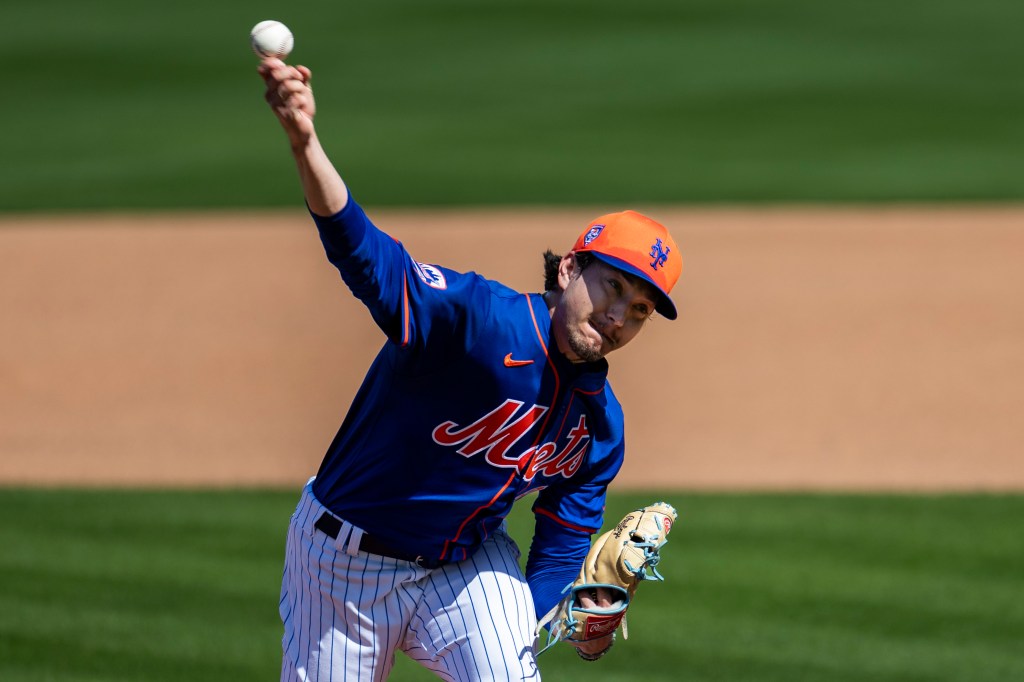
x: 301, y: 145
x: 594, y: 655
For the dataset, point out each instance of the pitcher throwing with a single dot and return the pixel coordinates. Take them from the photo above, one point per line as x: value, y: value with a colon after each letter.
x: 480, y: 395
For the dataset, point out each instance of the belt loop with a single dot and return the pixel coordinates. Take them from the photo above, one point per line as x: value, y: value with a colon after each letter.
x: 339, y: 542
x: 353, y: 542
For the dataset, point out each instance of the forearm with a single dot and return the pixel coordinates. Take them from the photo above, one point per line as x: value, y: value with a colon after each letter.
x: 290, y: 97
x: 556, y: 555
x: 325, y: 191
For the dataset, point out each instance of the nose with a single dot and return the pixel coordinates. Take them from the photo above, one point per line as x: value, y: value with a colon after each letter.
x: 617, y: 313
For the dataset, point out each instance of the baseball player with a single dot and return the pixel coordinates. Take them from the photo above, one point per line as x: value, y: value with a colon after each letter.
x: 480, y: 395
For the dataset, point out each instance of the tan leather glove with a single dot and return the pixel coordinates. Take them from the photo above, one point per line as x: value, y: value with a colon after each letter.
x: 618, y: 561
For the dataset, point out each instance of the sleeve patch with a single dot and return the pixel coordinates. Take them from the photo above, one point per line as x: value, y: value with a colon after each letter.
x: 431, y: 275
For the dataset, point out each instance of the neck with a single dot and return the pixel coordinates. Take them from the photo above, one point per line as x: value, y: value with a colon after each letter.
x: 551, y: 298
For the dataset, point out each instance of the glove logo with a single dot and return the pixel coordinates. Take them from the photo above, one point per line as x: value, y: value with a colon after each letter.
x: 599, y: 626
x: 622, y: 525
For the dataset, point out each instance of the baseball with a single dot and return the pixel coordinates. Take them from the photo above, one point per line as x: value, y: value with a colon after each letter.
x: 271, y: 39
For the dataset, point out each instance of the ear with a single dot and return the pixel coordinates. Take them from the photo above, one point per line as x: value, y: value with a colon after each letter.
x: 568, y: 270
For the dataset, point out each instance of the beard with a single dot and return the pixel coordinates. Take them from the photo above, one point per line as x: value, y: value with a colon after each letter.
x: 582, y: 346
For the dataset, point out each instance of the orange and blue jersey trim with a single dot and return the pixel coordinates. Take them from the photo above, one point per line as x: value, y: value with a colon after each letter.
x: 405, y: 310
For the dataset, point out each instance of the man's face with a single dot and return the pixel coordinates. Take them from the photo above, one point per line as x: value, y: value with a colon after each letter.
x: 601, y: 309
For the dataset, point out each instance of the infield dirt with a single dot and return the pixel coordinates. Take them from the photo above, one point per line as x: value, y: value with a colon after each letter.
x: 868, y: 348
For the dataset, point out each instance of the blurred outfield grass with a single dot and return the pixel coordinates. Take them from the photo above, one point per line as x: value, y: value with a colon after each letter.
x: 171, y: 585
x: 118, y: 104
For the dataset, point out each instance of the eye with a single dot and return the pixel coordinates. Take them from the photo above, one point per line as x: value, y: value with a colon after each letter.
x: 642, y: 309
x: 616, y: 285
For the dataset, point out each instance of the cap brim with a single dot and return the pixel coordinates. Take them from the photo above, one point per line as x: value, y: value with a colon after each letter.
x: 664, y: 305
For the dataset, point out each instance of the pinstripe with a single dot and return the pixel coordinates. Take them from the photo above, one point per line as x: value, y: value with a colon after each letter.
x: 389, y: 649
x: 320, y: 609
x: 441, y: 604
x: 415, y: 635
x: 381, y: 636
x: 482, y: 575
x: 519, y: 590
x: 445, y: 619
x: 401, y: 591
x: 475, y: 650
x: 294, y: 583
x: 358, y: 641
x: 392, y: 602
x: 288, y: 587
x: 291, y: 551
x: 463, y: 630
x: 300, y: 597
x: 527, y: 617
x: 506, y: 557
x: 373, y: 619
x: 334, y: 615
x: 510, y: 579
x: 307, y: 585
x: 295, y: 579
x: 348, y: 583
x: 466, y: 650
x: 444, y: 674
x: 311, y: 577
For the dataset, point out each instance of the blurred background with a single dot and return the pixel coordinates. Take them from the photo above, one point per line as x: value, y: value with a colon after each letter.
x: 837, y: 412
x: 116, y: 104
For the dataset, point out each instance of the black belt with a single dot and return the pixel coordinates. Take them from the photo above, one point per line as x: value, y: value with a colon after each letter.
x: 331, y: 525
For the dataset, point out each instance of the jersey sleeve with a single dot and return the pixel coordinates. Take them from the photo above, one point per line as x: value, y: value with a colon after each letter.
x: 566, y: 518
x: 418, y: 306
x: 556, y: 555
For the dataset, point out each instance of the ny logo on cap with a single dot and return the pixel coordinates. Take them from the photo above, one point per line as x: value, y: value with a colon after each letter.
x: 659, y: 254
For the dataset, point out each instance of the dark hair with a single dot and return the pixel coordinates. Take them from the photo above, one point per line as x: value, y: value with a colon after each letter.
x: 551, y: 261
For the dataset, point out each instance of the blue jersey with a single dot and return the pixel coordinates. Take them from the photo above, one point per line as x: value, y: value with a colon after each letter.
x: 466, y: 408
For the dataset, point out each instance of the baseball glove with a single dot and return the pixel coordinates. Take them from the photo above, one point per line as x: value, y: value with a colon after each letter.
x: 618, y: 562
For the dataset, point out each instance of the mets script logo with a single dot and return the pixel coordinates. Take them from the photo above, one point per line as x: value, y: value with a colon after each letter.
x: 430, y: 275
x: 592, y: 234
x: 659, y: 254
x: 495, y: 434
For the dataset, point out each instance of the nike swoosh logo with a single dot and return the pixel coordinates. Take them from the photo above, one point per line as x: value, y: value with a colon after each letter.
x: 509, y: 362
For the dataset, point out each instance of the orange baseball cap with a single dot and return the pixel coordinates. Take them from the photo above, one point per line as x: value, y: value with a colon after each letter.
x: 636, y: 244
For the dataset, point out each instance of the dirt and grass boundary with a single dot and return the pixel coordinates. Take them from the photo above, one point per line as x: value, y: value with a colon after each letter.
x: 817, y: 348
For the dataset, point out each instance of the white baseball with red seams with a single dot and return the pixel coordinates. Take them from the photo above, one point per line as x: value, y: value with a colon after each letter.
x: 271, y: 39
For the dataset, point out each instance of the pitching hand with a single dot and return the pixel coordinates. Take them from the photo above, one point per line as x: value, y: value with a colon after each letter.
x: 290, y: 97
x: 601, y: 598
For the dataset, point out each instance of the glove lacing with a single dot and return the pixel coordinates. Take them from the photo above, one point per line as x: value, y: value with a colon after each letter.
x: 651, y: 558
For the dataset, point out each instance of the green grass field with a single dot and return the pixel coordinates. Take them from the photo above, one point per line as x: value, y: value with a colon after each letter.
x: 138, y: 105
x: 183, y: 585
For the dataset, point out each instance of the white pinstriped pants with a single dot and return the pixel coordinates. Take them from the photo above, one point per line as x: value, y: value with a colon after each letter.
x: 346, y: 612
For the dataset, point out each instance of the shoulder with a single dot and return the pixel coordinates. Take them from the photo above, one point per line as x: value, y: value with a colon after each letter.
x: 442, y: 278
x: 501, y: 291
